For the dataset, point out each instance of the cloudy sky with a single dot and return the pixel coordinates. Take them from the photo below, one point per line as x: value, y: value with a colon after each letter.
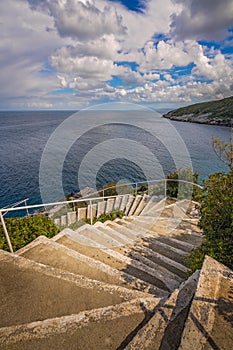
x: 69, y: 54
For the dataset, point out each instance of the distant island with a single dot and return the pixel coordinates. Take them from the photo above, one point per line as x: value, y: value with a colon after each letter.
x: 214, y: 113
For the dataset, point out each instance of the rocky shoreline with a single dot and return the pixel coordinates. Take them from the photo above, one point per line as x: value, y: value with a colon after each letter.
x: 204, y: 118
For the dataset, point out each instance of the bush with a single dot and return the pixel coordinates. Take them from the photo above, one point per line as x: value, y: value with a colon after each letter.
x: 24, y: 230
x: 216, y: 221
x: 182, y: 189
x: 110, y: 216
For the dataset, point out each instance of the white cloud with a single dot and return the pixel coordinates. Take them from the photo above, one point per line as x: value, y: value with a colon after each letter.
x: 21, y: 60
x: 202, y: 19
x: 164, y: 55
x: 79, y: 44
x: 82, y: 20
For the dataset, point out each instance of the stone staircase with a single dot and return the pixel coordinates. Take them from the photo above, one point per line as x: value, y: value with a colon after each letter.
x: 116, y: 285
x: 129, y: 204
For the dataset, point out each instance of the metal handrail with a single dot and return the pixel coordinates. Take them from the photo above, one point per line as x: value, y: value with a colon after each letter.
x: 79, y: 200
x: 15, y: 204
x: 137, y: 185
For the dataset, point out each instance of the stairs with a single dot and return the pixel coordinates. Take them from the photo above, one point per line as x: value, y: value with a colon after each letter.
x: 116, y: 285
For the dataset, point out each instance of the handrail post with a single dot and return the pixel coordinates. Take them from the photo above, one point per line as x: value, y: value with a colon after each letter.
x: 136, y: 188
x: 165, y: 187
x: 25, y: 204
x: 91, y: 212
x: 6, y: 233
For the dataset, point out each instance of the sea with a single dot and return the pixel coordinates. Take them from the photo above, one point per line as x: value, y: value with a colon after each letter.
x: 44, y: 151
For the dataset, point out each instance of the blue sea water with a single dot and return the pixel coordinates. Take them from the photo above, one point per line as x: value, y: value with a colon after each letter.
x: 23, y: 138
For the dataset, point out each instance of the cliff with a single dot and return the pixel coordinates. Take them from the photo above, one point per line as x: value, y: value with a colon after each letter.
x: 214, y: 113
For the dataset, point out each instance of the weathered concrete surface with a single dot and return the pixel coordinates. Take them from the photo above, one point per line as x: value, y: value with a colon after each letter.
x: 117, y: 203
x: 101, y: 208
x: 124, y: 201
x: 164, y: 330
x: 91, y: 211
x: 64, y: 220
x: 31, y: 291
x: 97, y: 329
x: 135, y: 204
x: 82, y: 213
x: 122, y: 263
x: 130, y: 275
x: 109, y: 205
x: 210, y: 320
x: 129, y: 204
x: 71, y: 217
x: 141, y: 205
x: 51, y: 253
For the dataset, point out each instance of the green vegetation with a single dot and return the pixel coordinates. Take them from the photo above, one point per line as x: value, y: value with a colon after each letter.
x: 216, y: 214
x: 183, y: 189
x: 24, y: 230
x: 110, y: 216
x: 213, y: 110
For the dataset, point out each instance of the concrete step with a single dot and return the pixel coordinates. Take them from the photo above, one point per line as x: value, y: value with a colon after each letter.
x: 162, y: 277
x: 95, y: 236
x: 166, y: 236
x: 109, y: 205
x: 48, y: 252
x: 134, y: 275
x: 131, y: 267
x: 123, y: 239
x: 117, y: 203
x: 135, y: 204
x: 123, y: 230
x: 91, y: 211
x: 162, y: 260
x: 155, y: 277
x: 140, y: 245
x: 103, y: 328
x: 141, y: 205
x: 140, y: 255
x: 81, y: 214
x: 210, y: 323
x: 164, y: 328
x: 129, y: 204
x: 31, y: 291
x: 101, y: 208
x: 124, y: 201
x: 144, y: 228
x: 154, y: 204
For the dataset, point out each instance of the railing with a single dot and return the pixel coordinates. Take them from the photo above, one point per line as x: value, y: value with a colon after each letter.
x: 15, y: 205
x: 89, y: 201
x: 135, y: 186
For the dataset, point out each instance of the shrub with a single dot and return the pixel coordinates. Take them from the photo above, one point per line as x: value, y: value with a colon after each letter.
x: 110, y: 216
x: 182, y: 189
x: 24, y: 230
x: 216, y: 221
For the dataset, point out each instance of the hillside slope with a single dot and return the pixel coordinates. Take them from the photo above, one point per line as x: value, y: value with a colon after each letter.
x: 215, y: 113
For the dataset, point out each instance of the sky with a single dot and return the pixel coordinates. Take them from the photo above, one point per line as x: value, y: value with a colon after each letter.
x: 71, y: 54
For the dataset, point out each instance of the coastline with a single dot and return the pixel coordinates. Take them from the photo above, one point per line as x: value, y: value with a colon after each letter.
x: 201, y: 119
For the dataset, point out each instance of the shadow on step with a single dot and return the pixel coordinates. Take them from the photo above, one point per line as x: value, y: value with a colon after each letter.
x: 148, y: 315
x: 163, y: 329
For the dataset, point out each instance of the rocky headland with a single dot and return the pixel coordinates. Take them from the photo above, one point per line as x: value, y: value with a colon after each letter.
x: 213, y: 113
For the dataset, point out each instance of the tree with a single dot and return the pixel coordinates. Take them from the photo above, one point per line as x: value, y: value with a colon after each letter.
x: 224, y: 151
x: 217, y: 213
x: 179, y: 188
